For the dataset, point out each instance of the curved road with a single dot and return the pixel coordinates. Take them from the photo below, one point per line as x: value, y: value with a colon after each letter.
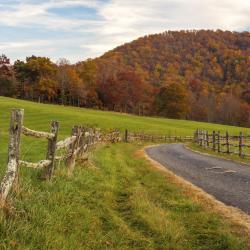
x: 228, y: 181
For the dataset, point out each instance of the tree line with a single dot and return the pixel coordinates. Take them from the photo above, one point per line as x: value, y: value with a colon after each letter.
x: 198, y: 75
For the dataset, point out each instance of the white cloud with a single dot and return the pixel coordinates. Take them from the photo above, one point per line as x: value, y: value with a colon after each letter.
x: 115, y: 22
x: 31, y: 14
x: 127, y: 20
x: 23, y: 45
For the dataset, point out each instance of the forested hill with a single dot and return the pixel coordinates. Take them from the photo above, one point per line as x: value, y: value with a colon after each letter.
x: 215, y: 57
x: 200, y: 75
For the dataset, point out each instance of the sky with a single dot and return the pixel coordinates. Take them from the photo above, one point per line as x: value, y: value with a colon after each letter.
x: 81, y: 29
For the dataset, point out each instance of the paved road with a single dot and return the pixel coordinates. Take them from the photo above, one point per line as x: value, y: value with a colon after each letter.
x: 229, y: 182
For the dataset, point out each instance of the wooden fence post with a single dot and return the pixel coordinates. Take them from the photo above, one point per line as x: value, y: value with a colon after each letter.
x: 11, y: 177
x: 204, y: 139
x: 18, y: 117
x: 218, y: 142
x: 126, y: 135
x: 227, y: 143
x: 195, y: 136
x: 240, y: 144
x: 213, y: 139
x: 70, y: 160
x: 207, y: 137
x: 81, y: 141
x: 200, y: 139
x: 51, y: 150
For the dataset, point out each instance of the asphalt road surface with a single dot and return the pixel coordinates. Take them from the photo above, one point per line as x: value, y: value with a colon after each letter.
x: 227, y: 181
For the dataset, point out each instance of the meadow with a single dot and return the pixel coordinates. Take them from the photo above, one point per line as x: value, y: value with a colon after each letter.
x: 38, y: 116
x: 115, y: 201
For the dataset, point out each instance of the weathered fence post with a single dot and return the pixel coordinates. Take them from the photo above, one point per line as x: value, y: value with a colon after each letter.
x: 70, y: 160
x: 126, y: 136
x: 200, y: 138
x: 51, y: 150
x: 218, y: 141
x: 213, y: 139
x: 240, y: 144
x: 81, y: 141
x: 195, y: 136
x: 227, y: 143
x: 11, y: 177
x: 204, y: 139
x: 207, y: 136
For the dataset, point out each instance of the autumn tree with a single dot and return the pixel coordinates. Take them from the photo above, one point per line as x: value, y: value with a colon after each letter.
x: 63, y: 79
x: 172, y: 101
x: 87, y: 71
x: 7, y: 82
x: 37, y: 74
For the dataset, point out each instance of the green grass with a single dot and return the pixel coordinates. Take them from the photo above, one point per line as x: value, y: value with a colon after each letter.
x: 231, y: 157
x: 121, y: 203
x: 38, y: 116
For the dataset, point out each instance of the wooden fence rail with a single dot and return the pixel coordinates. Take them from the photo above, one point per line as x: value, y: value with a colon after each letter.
x: 131, y: 136
x: 78, y: 145
x: 227, y: 144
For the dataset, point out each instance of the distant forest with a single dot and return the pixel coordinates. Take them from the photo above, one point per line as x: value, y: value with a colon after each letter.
x: 198, y: 75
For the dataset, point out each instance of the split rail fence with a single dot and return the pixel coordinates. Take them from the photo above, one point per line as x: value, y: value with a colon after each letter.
x: 131, y: 136
x: 78, y: 145
x: 228, y: 144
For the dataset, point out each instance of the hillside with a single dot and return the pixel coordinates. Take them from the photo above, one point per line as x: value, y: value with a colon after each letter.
x: 211, y: 68
x: 115, y: 201
x: 195, y: 75
x: 216, y: 57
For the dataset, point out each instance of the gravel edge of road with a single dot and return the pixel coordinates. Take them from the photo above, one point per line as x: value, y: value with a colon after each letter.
x: 234, y: 215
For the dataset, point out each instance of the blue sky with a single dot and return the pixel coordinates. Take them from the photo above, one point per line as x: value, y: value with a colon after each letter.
x: 79, y: 29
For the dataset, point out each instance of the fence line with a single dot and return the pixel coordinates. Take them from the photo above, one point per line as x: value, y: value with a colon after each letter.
x: 234, y: 144
x: 78, y: 145
x: 132, y: 136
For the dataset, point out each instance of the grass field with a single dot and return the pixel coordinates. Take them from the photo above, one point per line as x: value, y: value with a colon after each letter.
x: 38, y: 116
x: 116, y: 202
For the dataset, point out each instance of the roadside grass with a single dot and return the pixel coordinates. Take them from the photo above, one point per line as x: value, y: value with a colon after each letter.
x: 117, y: 202
x: 231, y: 157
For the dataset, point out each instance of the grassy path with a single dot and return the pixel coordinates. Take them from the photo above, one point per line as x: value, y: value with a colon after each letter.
x: 120, y: 203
